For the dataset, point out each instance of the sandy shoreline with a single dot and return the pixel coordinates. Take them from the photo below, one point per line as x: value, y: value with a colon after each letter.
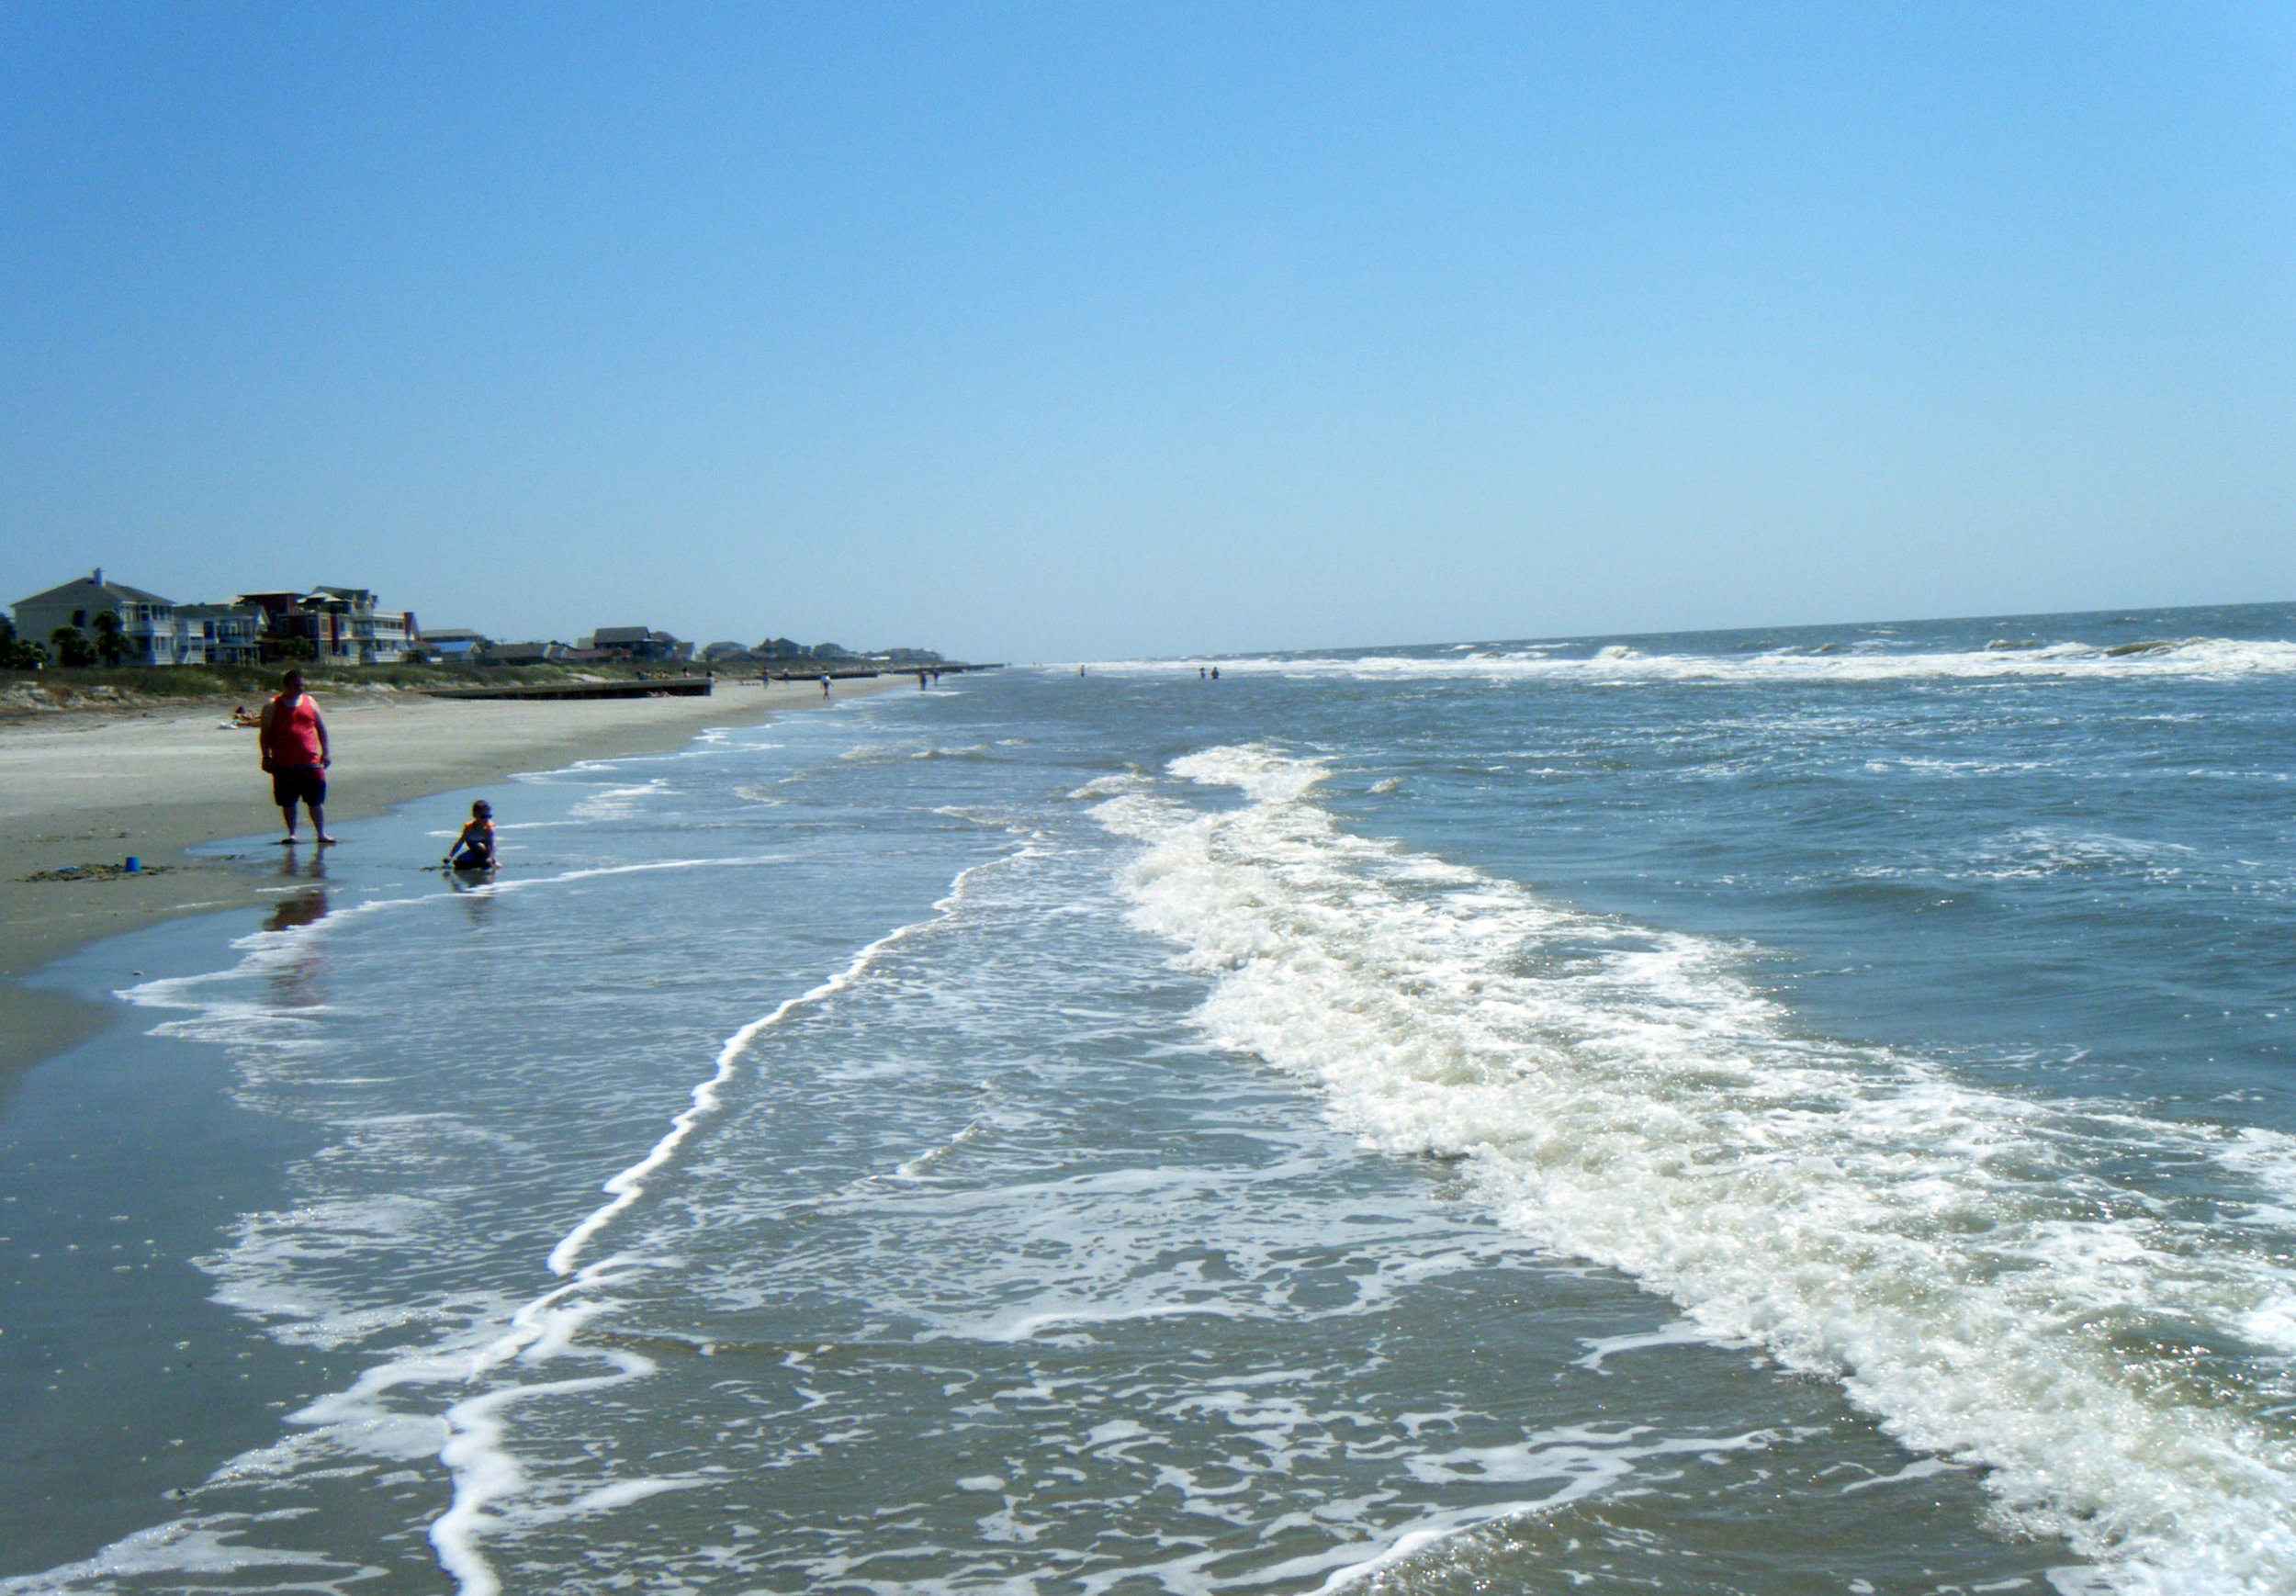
x: 90, y: 788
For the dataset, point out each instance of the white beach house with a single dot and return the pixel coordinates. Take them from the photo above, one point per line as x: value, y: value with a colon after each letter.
x: 220, y: 634
x: 147, y: 629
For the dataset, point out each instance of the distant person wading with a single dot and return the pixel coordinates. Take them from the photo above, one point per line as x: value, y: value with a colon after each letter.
x: 293, y: 738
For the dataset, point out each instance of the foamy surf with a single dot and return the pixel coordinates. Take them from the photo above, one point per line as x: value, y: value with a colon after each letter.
x: 487, y: 1363
x: 1621, y: 664
x: 487, y: 1475
x: 1996, y: 1277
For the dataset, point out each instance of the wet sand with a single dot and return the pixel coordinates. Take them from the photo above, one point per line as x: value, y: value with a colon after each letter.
x: 89, y: 788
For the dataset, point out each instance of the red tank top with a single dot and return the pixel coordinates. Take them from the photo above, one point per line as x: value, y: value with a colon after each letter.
x: 293, y: 732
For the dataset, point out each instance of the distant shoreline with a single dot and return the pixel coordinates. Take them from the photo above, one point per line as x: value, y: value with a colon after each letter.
x: 90, y: 788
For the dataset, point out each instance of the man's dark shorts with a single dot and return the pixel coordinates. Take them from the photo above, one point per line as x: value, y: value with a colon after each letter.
x: 307, y: 783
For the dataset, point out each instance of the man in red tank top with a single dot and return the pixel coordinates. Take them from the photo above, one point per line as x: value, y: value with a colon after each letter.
x: 293, y: 738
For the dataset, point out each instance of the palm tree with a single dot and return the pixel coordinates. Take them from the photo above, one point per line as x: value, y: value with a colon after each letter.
x: 111, y: 642
x: 71, y: 647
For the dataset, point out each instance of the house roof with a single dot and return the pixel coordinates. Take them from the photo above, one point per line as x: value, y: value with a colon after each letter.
x: 211, y: 612
x: 606, y: 636
x: 271, y: 601
x: 94, y: 590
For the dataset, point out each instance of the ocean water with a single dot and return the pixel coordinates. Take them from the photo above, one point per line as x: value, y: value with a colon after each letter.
x: 1765, y: 1112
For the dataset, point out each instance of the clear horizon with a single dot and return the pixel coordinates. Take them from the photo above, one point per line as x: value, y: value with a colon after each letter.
x: 1101, y: 331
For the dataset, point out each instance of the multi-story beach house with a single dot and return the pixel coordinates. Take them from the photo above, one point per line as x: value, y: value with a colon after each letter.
x: 220, y: 634
x: 145, y: 622
x: 342, y: 626
x: 362, y: 632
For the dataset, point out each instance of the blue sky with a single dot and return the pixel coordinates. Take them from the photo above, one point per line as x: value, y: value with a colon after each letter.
x: 1079, y: 330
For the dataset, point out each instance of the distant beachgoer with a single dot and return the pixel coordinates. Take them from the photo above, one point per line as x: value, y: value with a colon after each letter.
x: 474, y: 848
x: 292, y: 737
x: 1080, y: 671
x: 1215, y: 673
x: 1199, y: 673
x: 240, y: 717
x: 824, y: 684
x: 920, y: 682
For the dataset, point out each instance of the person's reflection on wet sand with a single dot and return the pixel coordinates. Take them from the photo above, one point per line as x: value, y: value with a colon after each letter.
x: 300, y: 908
x: 295, y: 983
x: 477, y: 896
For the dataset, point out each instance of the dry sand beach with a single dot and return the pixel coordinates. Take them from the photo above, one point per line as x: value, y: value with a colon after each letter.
x: 89, y: 788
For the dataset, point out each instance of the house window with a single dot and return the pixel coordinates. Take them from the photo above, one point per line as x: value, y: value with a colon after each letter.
x: 79, y: 617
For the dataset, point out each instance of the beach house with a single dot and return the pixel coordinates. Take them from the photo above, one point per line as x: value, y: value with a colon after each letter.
x: 526, y: 653
x: 456, y: 645
x: 637, y: 643
x: 143, y: 624
x: 363, y: 631
x: 220, y: 634
x: 329, y: 625
x: 337, y: 625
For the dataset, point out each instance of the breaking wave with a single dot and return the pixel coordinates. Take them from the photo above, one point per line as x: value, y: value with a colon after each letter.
x: 1618, y: 663
x: 2093, y: 1305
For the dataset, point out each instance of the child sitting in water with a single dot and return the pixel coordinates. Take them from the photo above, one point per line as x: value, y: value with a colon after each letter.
x: 474, y: 848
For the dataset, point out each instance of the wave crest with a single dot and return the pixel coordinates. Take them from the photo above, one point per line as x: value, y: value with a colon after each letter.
x: 1999, y: 1280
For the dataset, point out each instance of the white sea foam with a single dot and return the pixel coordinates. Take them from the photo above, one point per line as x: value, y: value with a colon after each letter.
x: 1682, y: 1333
x: 2001, y: 1280
x: 512, y: 825
x: 1620, y: 663
x: 1109, y: 786
x: 188, y: 1549
x: 618, y: 802
x: 1579, y: 1463
x: 489, y: 1349
x: 487, y: 1472
x: 916, y: 1168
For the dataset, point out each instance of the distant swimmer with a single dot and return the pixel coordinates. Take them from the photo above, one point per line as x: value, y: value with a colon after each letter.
x: 1080, y: 671
x: 474, y: 848
x: 1215, y: 673
x: 292, y: 737
x: 1199, y: 673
